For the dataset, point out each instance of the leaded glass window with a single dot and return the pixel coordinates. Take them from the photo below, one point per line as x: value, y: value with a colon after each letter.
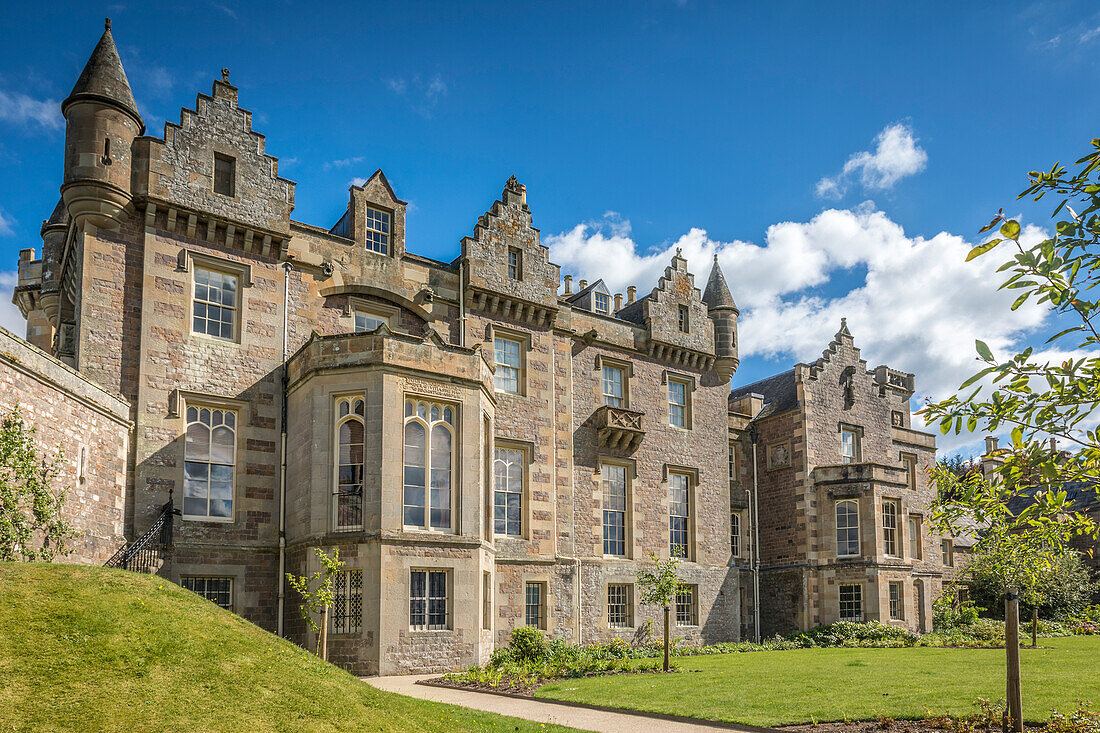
x: 347, y: 602
x: 210, y: 454
x: 428, y: 464
x: 508, y: 465
x: 350, y: 443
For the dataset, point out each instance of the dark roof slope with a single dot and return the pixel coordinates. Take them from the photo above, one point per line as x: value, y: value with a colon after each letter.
x: 779, y: 391
x: 717, y: 293
x: 104, y: 79
x: 1083, y: 496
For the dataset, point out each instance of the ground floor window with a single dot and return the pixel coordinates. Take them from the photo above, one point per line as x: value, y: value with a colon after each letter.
x: 618, y: 606
x: 897, y: 606
x: 217, y: 590
x: 428, y: 600
x: 687, y: 613
x: 851, y: 602
x: 347, y: 602
x: 535, y: 605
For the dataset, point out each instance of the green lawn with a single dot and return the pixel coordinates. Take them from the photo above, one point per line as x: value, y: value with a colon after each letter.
x: 803, y: 685
x: 86, y: 649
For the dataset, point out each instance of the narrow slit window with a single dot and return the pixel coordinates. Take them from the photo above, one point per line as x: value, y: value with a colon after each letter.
x: 225, y: 174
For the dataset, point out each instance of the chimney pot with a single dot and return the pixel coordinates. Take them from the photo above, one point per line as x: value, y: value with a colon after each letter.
x: 568, y: 284
x: 26, y: 254
x: 631, y: 291
x: 584, y: 284
x: 618, y: 301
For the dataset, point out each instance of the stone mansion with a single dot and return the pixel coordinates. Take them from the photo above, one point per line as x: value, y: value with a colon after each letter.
x: 487, y: 444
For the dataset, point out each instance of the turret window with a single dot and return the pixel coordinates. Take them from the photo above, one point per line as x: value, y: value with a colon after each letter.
x: 378, y: 230
x: 348, y: 492
x: 847, y: 528
x: 429, y: 461
x: 225, y: 174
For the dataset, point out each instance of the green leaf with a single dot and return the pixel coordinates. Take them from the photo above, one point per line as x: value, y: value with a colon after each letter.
x: 983, y: 350
x: 1017, y: 435
x: 981, y: 249
x: 1020, y: 301
x: 1010, y: 229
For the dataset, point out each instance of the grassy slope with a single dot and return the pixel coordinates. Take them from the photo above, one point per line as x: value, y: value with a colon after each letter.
x: 799, y: 686
x: 93, y: 649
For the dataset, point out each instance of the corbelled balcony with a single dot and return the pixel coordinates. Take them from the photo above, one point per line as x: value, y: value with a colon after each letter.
x: 619, y: 428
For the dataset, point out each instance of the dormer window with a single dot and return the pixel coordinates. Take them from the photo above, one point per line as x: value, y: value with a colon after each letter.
x: 225, y: 174
x: 515, y: 264
x: 602, y: 303
x: 378, y: 230
x: 682, y: 319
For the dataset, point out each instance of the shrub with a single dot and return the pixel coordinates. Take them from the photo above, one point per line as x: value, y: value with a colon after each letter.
x: 528, y: 645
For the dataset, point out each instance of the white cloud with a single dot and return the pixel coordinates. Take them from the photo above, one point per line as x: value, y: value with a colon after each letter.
x: 7, y: 227
x: 342, y: 163
x: 357, y: 181
x: 21, y: 109
x: 896, y: 156
x: 10, y: 317
x: 919, y: 307
x: 421, y: 93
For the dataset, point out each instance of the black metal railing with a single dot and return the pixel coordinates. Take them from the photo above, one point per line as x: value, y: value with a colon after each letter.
x: 147, y: 552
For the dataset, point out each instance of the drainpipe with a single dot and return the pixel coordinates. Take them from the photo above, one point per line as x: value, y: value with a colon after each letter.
x: 756, y: 539
x: 462, y: 304
x: 282, y: 454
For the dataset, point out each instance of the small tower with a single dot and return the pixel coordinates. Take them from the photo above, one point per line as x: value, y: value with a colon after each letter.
x: 101, y: 122
x: 723, y: 311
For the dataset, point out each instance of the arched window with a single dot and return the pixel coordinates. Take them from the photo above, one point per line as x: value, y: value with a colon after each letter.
x: 210, y: 455
x: 429, y: 465
x: 347, y: 501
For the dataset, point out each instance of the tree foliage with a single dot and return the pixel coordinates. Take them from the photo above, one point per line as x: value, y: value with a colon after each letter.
x: 1064, y: 590
x: 316, y: 590
x: 659, y: 586
x: 32, y: 525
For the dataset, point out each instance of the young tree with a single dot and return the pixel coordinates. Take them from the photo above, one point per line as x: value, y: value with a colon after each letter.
x: 317, y: 595
x: 30, y: 510
x: 1035, y: 398
x: 658, y: 588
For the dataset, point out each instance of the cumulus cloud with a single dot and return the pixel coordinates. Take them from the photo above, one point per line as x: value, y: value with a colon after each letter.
x: 342, y: 163
x: 10, y: 317
x: 7, y: 225
x: 896, y: 156
x: 20, y: 109
x: 919, y: 306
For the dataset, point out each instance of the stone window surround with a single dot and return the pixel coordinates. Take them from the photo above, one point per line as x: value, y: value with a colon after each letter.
x: 428, y: 569
x: 693, y: 614
x: 890, y: 604
x: 235, y: 573
x: 627, y: 367
x: 335, y: 424
x: 631, y: 478
x: 631, y: 616
x: 389, y: 313
x: 390, y: 218
x: 856, y: 431
x: 492, y: 331
x: 186, y: 261
x: 915, y: 539
x: 909, y: 463
x: 199, y: 576
x: 486, y: 600
x: 223, y: 151
x: 688, y: 381
x: 178, y: 402
x: 456, y: 458
x: 528, y: 449
x: 899, y: 538
x: 735, y: 551
x: 858, y: 528
x: 515, y: 265
x: 547, y: 600
x: 348, y: 595
x: 694, y: 477
x: 856, y: 600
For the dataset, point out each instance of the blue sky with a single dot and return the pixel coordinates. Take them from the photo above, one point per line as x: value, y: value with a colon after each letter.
x: 839, y: 157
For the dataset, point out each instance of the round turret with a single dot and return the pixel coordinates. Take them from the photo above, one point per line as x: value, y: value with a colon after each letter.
x: 723, y: 312
x: 101, y: 122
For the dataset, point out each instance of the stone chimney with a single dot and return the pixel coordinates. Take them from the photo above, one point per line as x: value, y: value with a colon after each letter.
x: 568, y: 285
x: 990, y: 444
x: 584, y: 284
x: 618, y: 301
x: 631, y: 291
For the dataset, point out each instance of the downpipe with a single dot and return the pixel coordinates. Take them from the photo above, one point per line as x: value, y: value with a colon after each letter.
x: 282, y: 454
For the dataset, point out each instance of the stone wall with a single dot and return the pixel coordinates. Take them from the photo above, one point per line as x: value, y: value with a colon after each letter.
x: 89, y: 425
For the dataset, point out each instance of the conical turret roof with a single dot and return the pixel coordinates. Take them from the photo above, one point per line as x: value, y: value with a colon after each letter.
x: 104, y: 79
x: 717, y: 293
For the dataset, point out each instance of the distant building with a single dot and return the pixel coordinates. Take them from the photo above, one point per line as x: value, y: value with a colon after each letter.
x: 844, y: 495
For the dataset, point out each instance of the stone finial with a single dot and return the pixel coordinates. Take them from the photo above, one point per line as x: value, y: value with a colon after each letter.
x: 225, y: 74
x: 512, y: 184
x: 107, y: 24
x: 679, y: 251
x: 844, y: 328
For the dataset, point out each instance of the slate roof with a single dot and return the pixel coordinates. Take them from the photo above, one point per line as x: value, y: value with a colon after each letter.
x: 779, y: 391
x: 717, y: 293
x: 104, y: 79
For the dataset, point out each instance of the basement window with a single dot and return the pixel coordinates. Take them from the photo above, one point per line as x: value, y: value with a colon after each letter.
x: 225, y: 174
x: 218, y: 591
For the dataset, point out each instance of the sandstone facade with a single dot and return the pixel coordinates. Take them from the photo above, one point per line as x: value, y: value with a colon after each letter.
x: 485, y: 448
